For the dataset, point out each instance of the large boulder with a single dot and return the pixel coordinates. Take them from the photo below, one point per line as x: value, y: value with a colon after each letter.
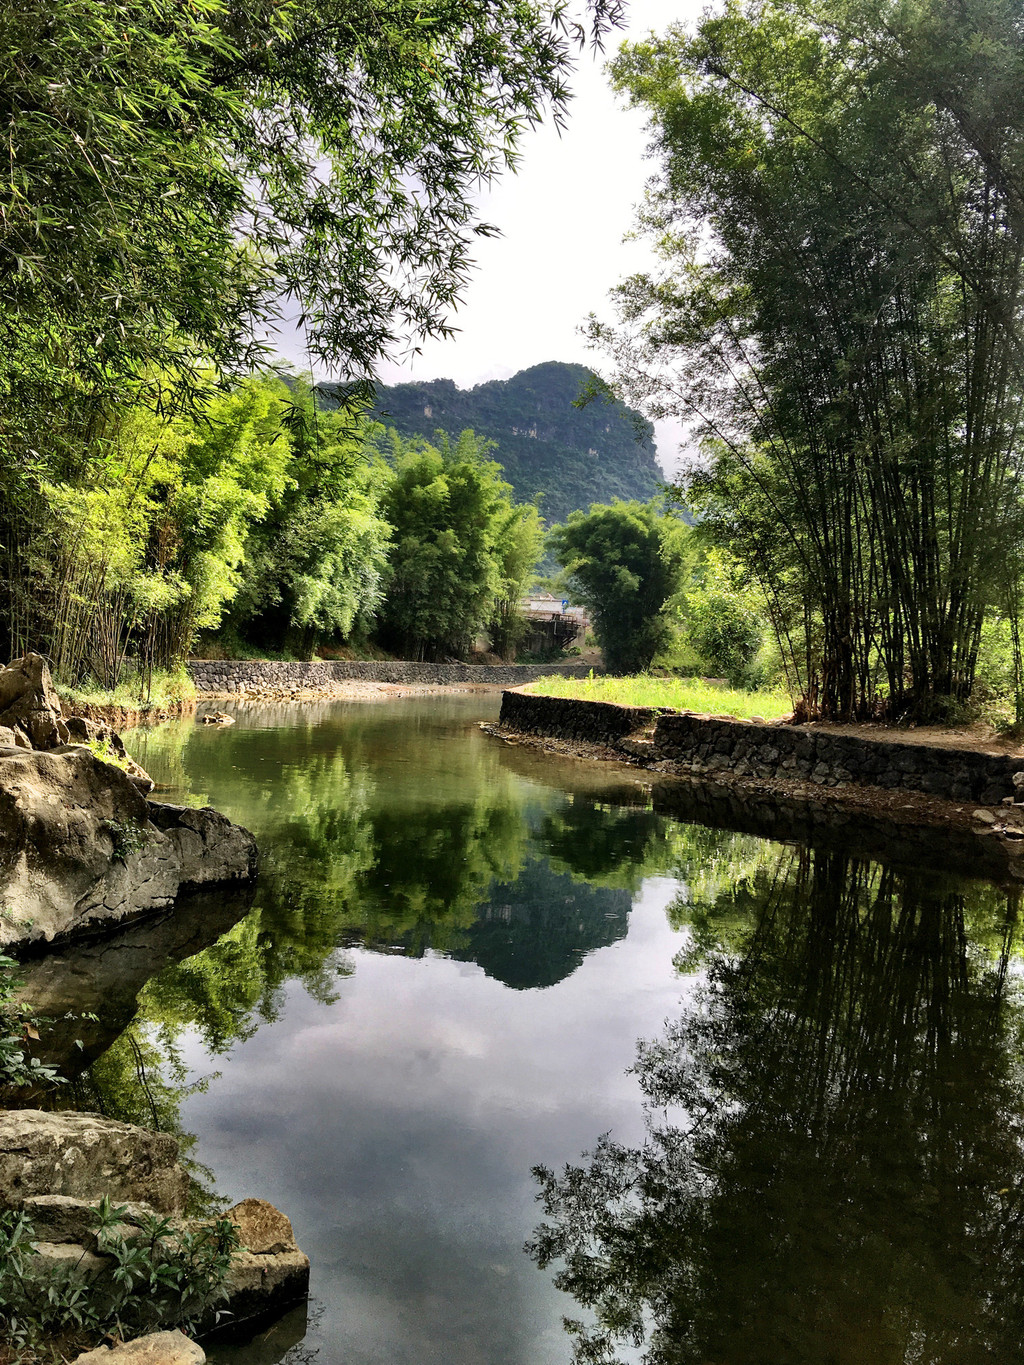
x: 81, y: 849
x: 158, y: 1348
x: 28, y: 704
x: 83, y: 1157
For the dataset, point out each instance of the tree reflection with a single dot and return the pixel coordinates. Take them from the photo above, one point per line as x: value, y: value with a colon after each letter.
x: 833, y: 1169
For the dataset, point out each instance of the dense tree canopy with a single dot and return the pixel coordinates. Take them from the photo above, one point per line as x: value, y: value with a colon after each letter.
x: 838, y: 317
x: 315, y: 564
x: 622, y: 562
x: 459, y: 545
x: 179, y: 173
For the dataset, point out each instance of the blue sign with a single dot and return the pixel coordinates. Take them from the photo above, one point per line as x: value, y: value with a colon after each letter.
x: 565, y: 603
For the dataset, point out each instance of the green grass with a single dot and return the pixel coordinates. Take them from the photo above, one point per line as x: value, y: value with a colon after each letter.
x: 169, y: 687
x: 682, y: 694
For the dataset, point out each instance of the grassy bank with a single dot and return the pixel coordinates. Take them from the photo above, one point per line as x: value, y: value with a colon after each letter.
x: 167, y: 689
x: 682, y: 694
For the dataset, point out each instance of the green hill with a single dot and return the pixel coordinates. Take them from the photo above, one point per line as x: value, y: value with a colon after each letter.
x: 571, y: 456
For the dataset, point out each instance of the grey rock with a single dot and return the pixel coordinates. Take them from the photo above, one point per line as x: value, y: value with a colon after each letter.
x: 984, y: 817
x: 86, y: 1156
x: 65, y: 1256
x: 81, y: 730
x: 80, y: 849
x: 62, y: 1218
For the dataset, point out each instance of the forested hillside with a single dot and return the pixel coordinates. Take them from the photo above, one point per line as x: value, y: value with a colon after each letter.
x: 572, y: 456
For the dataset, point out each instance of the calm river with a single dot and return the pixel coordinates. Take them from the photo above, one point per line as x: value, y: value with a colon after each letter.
x: 454, y: 951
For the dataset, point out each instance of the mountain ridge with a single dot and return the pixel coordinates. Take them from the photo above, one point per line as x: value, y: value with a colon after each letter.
x: 568, y: 456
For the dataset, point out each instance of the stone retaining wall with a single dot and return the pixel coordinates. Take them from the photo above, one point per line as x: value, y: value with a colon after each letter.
x: 236, y: 675
x: 710, y: 747
x: 596, y: 722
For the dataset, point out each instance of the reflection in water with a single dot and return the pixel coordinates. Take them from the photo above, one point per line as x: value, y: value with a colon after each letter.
x: 831, y: 1172
x: 833, y: 1165
x: 376, y: 832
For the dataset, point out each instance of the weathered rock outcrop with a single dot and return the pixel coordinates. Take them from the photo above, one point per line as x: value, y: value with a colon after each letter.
x: 29, y: 707
x: 57, y: 1167
x: 83, y: 1157
x: 81, y: 849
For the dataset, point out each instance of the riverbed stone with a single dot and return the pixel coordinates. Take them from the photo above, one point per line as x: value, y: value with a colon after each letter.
x: 158, y: 1348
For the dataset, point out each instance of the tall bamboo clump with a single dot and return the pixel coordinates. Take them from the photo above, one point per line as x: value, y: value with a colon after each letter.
x: 838, y: 318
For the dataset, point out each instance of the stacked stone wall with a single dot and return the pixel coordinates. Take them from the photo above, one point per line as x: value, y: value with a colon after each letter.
x: 711, y: 747
x: 596, y: 722
x: 239, y: 675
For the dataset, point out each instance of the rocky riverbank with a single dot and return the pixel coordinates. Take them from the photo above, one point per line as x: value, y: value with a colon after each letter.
x: 96, y: 1192
x: 81, y: 848
x: 883, y: 779
x: 94, y: 1234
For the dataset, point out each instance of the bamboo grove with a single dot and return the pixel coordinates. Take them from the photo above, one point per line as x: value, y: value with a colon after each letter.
x: 837, y: 317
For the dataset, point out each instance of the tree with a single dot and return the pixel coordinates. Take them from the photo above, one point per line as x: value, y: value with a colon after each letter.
x: 838, y: 317
x: 520, y: 540
x: 721, y: 621
x: 150, y: 551
x: 449, y: 509
x: 180, y: 173
x: 315, y: 564
x: 622, y: 562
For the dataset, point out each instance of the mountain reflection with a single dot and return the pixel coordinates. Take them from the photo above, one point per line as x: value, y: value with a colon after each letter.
x: 833, y: 1170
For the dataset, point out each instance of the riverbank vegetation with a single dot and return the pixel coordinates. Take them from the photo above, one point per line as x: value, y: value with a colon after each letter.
x: 681, y: 694
x: 837, y: 318
x: 181, y: 175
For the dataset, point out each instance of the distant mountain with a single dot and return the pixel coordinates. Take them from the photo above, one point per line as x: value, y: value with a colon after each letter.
x: 572, y: 456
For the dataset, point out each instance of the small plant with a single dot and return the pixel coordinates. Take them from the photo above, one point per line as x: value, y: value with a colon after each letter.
x: 106, y: 753
x: 19, y: 1026
x: 128, y: 837
x: 161, y: 1275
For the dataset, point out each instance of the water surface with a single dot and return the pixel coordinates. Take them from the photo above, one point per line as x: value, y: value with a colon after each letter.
x: 453, y: 952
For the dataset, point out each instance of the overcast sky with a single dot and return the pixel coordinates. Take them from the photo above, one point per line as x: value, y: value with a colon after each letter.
x: 562, y: 220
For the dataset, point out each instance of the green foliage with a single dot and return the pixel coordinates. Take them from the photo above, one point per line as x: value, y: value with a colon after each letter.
x: 158, y: 689
x: 175, y: 171
x: 519, y: 542
x: 623, y: 563
x: 838, y: 318
x: 128, y: 837
x: 722, y: 622
x: 459, y: 546
x: 315, y: 563
x: 161, y: 1275
x: 147, y: 550
x: 19, y: 1026
x: 553, y: 452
